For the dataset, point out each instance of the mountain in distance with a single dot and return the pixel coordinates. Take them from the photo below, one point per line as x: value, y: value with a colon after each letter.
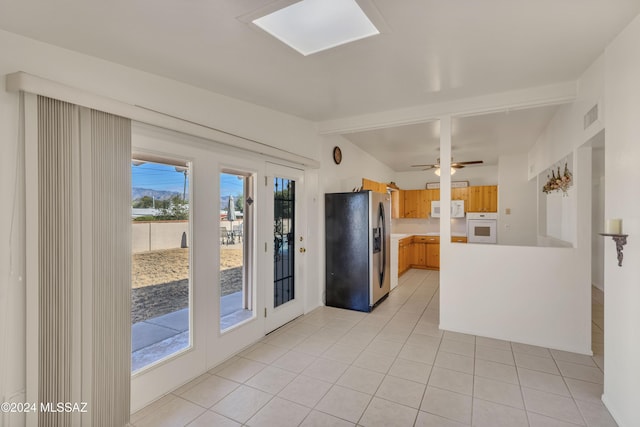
x: 137, y: 193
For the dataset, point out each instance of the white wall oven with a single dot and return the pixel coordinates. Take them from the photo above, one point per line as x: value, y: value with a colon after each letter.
x: 482, y: 227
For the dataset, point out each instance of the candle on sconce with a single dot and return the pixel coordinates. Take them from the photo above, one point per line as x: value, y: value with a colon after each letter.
x: 613, y: 226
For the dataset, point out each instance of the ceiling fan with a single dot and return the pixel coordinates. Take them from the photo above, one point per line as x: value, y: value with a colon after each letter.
x: 454, y: 165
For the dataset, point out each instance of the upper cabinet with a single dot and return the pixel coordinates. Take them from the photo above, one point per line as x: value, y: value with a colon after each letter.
x: 378, y: 187
x: 397, y: 203
x: 460, y: 194
x: 412, y: 204
x: 483, y: 198
x: 417, y: 203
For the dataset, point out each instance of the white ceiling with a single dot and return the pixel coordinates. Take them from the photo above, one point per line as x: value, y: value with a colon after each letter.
x: 483, y: 137
x: 430, y: 51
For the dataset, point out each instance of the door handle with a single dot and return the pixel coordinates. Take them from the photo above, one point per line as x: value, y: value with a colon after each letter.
x: 303, y: 250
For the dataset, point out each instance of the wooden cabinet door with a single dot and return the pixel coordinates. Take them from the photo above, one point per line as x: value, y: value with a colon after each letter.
x: 397, y: 204
x: 416, y: 204
x: 490, y: 199
x: 483, y: 198
x: 461, y: 194
x: 424, y: 204
x: 403, y: 255
x: 433, y: 255
x: 475, y: 199
x: 411, y: 201
x: 419, y: 254
x: 378, y: 187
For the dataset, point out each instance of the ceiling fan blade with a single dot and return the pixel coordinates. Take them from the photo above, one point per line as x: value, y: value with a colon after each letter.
x: 427, y: 166
x: 473, y: 162
x: 457, y: 165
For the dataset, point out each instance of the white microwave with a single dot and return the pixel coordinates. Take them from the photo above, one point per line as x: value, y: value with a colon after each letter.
x: 457, y: 209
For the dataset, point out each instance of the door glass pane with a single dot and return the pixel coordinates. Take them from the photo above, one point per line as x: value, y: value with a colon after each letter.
x: 283, y: 234
x: 236, y: 296
x: 160, y: 267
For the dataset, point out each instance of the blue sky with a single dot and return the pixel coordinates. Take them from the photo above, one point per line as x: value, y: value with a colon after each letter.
x: 157, y: 176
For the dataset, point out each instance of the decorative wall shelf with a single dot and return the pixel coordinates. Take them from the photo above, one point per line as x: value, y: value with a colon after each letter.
x: 621, y: 240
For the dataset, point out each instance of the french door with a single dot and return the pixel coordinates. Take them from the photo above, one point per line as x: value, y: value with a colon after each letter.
x: 286, y: 229
x: 216, y: 248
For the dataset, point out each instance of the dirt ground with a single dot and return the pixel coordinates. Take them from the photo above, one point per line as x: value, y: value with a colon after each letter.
x: 155, y: 267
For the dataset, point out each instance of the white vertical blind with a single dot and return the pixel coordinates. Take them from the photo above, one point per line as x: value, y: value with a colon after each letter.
x: 84, y: 344
x: 57, y: 138
x: 111, y: 215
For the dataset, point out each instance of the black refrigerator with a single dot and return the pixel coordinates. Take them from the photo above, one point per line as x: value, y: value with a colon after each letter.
x: 357, y: 245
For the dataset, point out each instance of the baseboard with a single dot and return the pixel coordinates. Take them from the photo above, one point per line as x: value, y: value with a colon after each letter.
x: 586, y: 352
x: 611, y: 411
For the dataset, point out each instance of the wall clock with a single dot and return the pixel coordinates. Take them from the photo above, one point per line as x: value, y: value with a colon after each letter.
x: 337, y: 155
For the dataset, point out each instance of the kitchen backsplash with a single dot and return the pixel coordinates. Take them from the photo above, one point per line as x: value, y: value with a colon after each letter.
x: 421, y: 225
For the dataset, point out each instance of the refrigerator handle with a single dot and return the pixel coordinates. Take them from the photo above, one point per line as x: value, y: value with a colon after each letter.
x: 383, y: 237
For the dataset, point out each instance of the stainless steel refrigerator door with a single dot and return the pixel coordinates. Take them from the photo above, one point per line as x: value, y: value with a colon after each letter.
x: 381, y: 237
x: 348, y: 250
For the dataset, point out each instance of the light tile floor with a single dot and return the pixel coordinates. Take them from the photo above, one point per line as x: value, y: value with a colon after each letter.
x: 391, y: 367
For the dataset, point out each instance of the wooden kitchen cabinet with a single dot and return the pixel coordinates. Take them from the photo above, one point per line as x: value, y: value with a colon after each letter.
x: 404, y: 255
x: 397, y: 204
x: 461, y: 194
x: 416, y: 204
x: 425, y: 252
x: 378, y: 187
x: 411, y: 203
x: 418, y: 254
x: 433, y: 255
x: 458, y: 239
x: 483, y: 198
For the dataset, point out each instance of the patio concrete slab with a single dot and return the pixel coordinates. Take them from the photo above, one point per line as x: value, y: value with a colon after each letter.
x: 144, y: 334
x: 177, y: 320
x: 230, y: 303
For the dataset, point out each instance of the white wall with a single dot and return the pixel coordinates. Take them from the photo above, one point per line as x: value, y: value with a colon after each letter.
x: 516, y: 293
x: 126, y: 85
x: 517, y: 193
x: 561, y: 208
x: 356, y: 164
x: 622, y: 297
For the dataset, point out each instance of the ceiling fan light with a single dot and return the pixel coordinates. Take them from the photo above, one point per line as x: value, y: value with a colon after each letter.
x: 437, y: 171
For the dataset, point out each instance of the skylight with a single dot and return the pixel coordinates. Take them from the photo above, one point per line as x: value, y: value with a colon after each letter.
x: 311, y: 26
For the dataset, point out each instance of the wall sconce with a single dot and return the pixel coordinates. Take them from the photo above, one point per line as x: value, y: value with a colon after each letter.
x: 613, y: 228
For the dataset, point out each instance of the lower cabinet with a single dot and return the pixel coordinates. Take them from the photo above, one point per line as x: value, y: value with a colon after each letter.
x: 404, y: 255
x: 425, y: 252
x: 421, y: 252
x: 433, y: 255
